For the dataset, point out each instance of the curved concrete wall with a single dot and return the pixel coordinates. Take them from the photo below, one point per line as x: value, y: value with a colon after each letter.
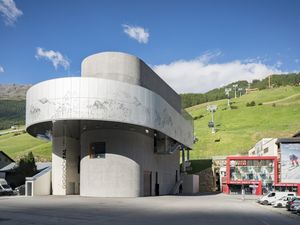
x: 86, y: 98
x: 121, y: 172
x: 129, y: 69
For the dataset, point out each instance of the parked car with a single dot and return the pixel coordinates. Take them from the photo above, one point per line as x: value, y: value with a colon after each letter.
x: 289, y: 203
x: 273, y: 196
x: 298, y: 211
x: 282, y: 201
x: 295, y: 206
x: 5, y: 189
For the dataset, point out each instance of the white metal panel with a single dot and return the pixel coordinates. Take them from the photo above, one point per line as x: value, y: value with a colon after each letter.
x: 86, y: 98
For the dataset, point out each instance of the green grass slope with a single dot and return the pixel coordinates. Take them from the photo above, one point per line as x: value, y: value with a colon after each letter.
x: 19, y: 144
x: 238, y: 129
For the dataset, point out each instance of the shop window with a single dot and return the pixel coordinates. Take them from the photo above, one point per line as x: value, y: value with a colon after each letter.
x: 97, y: 150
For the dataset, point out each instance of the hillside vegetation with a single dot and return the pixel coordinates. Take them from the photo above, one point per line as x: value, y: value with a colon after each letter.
x: 191, y: 99
x: 12, y: 112
x: 276, y: 114
x: 19, y: 144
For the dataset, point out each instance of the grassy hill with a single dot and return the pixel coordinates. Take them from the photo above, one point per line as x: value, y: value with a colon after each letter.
x: 276, y: 114
x: 19, y: 143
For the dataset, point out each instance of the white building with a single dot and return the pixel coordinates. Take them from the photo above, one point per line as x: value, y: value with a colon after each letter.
x: 117, y: 130
x: 265, y: 147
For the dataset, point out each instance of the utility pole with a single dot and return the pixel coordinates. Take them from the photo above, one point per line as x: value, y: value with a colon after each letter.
x: 235, y: 87
x: 212, y: 109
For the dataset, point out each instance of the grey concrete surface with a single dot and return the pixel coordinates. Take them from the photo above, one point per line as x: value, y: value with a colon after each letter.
x: 190, y: 210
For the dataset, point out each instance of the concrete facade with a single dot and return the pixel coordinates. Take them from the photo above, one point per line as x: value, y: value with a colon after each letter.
x: 190, y: 184
x: 40, y: 184
x: 116, y: 131
x: 264, y: 147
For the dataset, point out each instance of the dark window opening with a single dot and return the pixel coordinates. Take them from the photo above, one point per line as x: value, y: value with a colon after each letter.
x: 97, y: 150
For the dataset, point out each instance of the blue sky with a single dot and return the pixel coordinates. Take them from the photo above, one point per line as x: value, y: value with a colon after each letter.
x: 193, y: 45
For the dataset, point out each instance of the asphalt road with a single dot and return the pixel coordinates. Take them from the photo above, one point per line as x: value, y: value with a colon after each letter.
x: 185, y: 210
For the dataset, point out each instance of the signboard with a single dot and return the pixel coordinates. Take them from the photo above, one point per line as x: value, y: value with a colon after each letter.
x: 245, y: 170
x: 290, y: 162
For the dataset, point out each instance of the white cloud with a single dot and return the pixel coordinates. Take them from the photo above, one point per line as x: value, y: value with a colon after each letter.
x: 56, y: 58
x: 9, y: 12
x: 1, y: 69
x: 200, y: 75
x: 278, y: 64
x: 137, y: 33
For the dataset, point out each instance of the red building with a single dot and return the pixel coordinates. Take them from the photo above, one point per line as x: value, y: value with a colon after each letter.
x: 255, y: 174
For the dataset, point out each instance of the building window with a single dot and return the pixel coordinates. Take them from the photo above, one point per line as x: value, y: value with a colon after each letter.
x: 97, y: 150
x: 266, y: 150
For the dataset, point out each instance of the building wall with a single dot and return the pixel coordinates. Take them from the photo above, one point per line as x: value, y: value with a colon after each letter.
x: 190, y: 184
x: 121, y: 171
x: 129, y: 69
x: 41, y: 185
x: 87, y: 98
x: 265, y: 147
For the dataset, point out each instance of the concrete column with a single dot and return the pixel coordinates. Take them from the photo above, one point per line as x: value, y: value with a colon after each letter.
x: 65, y: 156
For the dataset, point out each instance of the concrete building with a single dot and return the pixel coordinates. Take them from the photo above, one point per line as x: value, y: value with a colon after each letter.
x: 117, y: 130
x: 265, y: 147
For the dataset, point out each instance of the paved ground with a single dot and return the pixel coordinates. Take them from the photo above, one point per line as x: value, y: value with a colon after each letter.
x: 173, y: 210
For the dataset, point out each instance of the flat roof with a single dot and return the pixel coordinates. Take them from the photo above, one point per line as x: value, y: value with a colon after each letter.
x: 288, y: 140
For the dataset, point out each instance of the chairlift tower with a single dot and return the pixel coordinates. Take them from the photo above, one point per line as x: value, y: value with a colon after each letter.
x: 240, y: 90
x: 212, y: 109
x: 235, y: 87
x: 227, y: 92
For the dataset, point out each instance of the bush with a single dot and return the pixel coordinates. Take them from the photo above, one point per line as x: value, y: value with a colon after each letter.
x: 260, y: 103
x: 26, y: 168
x: 250, y: 104
x: 274, y: 105
x: 27, y: 165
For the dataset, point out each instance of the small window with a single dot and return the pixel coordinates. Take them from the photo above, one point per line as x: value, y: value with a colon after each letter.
x: 97, y: 150
x: 266, y: 150
x: 271, y: 195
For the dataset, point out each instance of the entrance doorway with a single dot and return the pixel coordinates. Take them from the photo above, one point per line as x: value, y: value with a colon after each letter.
x: 147, y: 183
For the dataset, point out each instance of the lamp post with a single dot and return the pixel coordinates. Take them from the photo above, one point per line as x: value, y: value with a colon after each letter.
x: 212, y: 109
